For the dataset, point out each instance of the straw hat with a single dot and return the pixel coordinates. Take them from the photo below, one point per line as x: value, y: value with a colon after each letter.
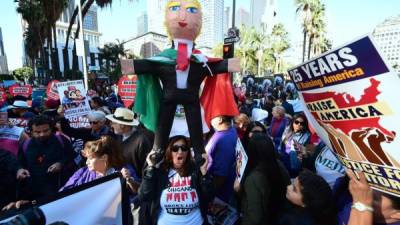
x: 123, y: 116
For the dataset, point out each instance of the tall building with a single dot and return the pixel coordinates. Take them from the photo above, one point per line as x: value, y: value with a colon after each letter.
x: 227, y: 19
x: 3, y: 57
x: 387, y: 37
x: 156, y: 14
x: 269, y: 17
x: 146, y: 45
x: 212, y: 32
x: 242, y: 18
x: 142, y: 24
x: 91, y: 36
x: 262, y: 14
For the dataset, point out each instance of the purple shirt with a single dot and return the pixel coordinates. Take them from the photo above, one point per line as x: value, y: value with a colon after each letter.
x: 84, y: 175
x: 221, y: 150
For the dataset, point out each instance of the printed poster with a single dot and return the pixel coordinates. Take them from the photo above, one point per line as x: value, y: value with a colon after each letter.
x: 38, y: 94
x: 73, y: 98
x: 241, y: 160
x: 221, y: 213
x: 127, y: 89
x: 3, y: 97
x: 350, y: 94
x: 79, y: 122
x: 51, y: 90
x: 25, y: 90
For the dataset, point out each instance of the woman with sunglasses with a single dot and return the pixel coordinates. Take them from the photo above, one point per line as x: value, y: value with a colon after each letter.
x: 177, y: 191
x: 296, y: 135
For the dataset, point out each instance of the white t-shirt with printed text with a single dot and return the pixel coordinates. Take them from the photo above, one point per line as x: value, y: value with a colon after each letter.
x: 179, y: 202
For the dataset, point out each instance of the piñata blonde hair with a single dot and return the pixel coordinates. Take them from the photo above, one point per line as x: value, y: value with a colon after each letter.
x: 168, y: 5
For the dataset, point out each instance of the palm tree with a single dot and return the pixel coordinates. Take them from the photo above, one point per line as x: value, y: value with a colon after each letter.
x: 52, y: 11
x: 279, y: 44
x: 317, y: 26
x: 86, y: 6
x: 303, y: 10
x: 111, y: 53
x: 35, y: 33
x: 41, y: 17
x: 246, y: 50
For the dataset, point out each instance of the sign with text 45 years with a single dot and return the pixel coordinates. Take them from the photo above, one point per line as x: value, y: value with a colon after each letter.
x: 350, y: 94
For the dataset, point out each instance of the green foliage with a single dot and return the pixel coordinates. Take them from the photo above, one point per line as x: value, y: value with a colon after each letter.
x: 111, y: 52
x: 23, y: 74
x: 260, y: 52
x: 312, y: 15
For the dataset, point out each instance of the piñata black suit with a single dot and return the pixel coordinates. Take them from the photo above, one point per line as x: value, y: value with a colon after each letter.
x: 172, y: 96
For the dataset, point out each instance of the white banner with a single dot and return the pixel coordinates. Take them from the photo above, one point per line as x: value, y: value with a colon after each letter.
x: 98, y: 203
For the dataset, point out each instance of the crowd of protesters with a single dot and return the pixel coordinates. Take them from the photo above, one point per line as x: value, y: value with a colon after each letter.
x: 291, y: 176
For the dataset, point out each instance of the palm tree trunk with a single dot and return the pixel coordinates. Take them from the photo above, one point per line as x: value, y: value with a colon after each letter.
x: 74, y: 62
x: 49, y: 54
x: 56, y: 67
x: 71, y: 23
x: 304, y: 45
x: 65, y: 51
x: 75, y: 57
x: 309, y: 46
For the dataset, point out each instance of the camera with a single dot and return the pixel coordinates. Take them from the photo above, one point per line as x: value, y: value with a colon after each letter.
x: 33, y: 216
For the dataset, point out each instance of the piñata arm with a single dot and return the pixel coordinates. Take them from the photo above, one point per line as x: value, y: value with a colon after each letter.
x: 137, y: 66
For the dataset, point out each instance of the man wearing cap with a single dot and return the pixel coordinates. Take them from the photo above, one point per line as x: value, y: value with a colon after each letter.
x: 18, y: 109
x: 136, y: 144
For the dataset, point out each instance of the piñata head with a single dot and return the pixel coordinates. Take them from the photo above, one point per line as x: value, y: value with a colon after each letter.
x: 183, y: 19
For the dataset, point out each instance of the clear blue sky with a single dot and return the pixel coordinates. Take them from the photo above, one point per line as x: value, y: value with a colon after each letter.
x: 347, y: 19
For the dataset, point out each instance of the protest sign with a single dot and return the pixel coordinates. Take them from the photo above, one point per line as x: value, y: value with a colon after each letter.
x: 8, y: 83
x: 79, y: 122
x: 221, y: 213
x: 241, y: 160
x: 25, y: 90
x: 102, y: 201
x: 51, y: 90
x: 3, y: 97
x: 38, y: 94
x: 19, y: 122
x: 350, y: 94
x: 73, y: 98
x: 127, y: 89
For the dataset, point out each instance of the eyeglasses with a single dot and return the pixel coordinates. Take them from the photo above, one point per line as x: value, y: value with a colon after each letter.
x: 175, y: 148
x: 300, y: 122
x: 93, y: 122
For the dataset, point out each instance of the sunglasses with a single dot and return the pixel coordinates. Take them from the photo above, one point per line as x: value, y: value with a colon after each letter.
x: 183, y: 148
x: 299, y: 122
x: 93, y: 122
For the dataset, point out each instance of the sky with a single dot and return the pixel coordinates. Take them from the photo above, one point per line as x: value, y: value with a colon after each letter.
x: 346, y: 20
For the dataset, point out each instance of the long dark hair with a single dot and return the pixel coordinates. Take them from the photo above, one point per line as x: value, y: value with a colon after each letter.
x: 289, y: 132
x: 262, y: 157
x: 300, y: 115
x: 168, y: 156
x: 317, y: 198
x: 250, y: 127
